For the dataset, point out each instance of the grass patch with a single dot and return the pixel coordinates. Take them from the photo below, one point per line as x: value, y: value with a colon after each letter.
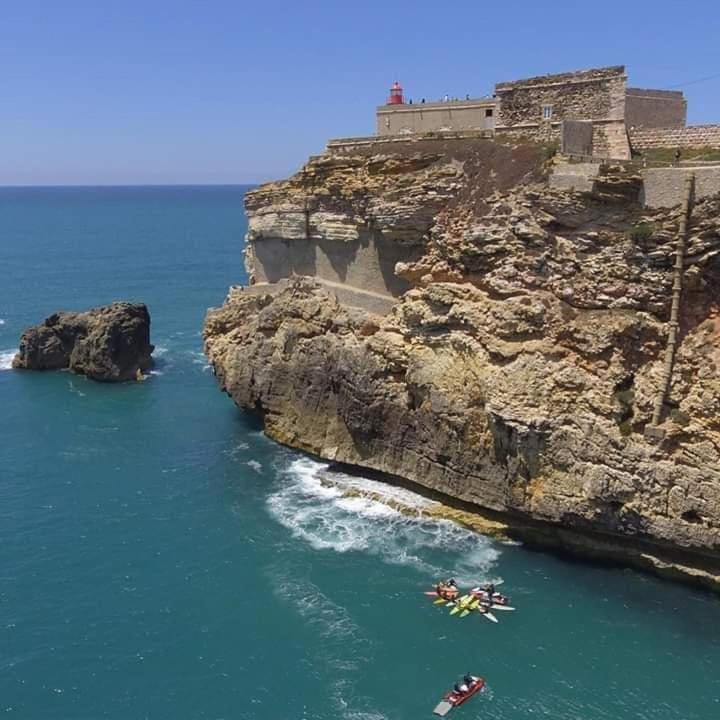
x: 667, y: 155
x: 641, y: 233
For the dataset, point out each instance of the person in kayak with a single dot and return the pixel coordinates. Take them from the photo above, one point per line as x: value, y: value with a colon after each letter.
x: 447, y: 590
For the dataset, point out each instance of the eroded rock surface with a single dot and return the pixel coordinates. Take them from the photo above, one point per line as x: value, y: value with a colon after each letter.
x: 519, y: 372
x: 109, y: 343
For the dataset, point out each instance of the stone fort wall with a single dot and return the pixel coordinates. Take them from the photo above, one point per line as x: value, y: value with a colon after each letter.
x: 585, y: 95
x: 695, y: 136
x: 429, y: 117
x: 534, y: 108
x: 664, y: 187
x: 655, y: 108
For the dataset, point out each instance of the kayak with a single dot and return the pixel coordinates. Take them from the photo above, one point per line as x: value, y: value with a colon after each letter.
x: 450, y: 603
x: 454, y: 699
x: 469, y: 607
x: 487, y: 614
x: 462, y: 603
x: 447, y: 594
x: 497, y: 598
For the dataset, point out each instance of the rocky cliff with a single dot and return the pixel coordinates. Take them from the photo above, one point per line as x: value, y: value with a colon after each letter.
x: 519, y: 369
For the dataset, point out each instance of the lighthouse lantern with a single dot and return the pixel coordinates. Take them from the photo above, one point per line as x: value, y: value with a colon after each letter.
x: 396, y: 94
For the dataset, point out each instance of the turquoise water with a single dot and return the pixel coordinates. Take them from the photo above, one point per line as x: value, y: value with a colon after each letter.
x: 159, y: 558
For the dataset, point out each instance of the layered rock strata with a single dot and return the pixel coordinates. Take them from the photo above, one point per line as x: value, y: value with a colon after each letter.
x: 519, y: 370
x: 109, y: 343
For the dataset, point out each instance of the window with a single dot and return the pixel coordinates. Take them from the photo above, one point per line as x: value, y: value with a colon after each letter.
x: 488, y: 112
x: 547, y: 112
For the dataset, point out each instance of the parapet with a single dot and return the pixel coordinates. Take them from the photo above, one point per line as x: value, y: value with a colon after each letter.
x: 614, y: 72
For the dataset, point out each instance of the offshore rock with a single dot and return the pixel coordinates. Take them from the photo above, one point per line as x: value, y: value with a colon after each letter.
x: 109, y: 343
x: 519, y: 372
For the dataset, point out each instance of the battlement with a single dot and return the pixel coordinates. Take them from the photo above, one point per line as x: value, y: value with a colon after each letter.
x: 567, y: 78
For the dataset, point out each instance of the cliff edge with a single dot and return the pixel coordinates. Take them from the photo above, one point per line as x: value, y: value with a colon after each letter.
x: 521, y: 354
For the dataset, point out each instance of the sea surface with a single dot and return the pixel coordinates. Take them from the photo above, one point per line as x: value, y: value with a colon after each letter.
x: 159, y: 558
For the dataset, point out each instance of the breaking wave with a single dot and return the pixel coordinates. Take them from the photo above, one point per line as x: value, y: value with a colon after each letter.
x: 353, y: 514
x: 6, y: 358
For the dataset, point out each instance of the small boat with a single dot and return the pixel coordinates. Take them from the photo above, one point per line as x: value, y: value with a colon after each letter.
x: 453, y: 698
x: 497, y: 598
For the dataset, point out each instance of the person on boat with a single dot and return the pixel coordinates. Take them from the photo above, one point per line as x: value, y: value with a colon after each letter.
x: 469, y: 679
x: 461, y: 688
x: 490, y: 590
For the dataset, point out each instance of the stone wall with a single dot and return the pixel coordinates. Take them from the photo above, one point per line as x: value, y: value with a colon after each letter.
x: 610, y: 140
x: 586, y: 95
x: 537, y: 132
x: 367, y: 263
x: 576, y: 137
x: 655, y: 108
x: 439, y: 116
x: 663, y: 187
x: 695, y: 136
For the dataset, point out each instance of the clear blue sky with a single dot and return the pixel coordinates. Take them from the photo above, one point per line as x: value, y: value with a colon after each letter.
x: 224, y: 91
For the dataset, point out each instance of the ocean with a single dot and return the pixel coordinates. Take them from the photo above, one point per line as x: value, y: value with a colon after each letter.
x: 160, y: 558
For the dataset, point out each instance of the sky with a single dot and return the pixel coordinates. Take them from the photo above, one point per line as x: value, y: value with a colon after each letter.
x: 229, y: 91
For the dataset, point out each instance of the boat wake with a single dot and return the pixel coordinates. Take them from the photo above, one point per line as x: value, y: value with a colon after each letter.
x: 6, y: 358
x: 345, y: 649
x: 358, y: 514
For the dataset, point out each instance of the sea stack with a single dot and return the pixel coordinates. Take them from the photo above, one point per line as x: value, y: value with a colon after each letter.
x: 109, y: 343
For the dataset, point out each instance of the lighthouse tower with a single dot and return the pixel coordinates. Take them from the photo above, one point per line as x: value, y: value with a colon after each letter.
x: 396, y: 94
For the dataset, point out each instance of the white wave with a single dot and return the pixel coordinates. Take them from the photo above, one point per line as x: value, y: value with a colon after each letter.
x: 198, y: 358
x: 160, y: 350
x: 155, y: 372
x: 255, y: 465
x: 2, y: 322
x: 75, y: 390
x: 6, y: 358
x: 327, y: 518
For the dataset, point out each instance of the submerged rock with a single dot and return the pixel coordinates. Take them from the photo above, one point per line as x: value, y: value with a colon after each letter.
x: 109, y: 343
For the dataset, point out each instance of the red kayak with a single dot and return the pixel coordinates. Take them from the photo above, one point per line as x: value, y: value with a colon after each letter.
x: 446, y: 593
x: 454, y: 698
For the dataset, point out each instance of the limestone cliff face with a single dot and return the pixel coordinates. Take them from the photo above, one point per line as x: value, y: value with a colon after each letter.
x: 519, y: 370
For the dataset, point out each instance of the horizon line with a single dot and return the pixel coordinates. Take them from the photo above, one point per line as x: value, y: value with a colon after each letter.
x: 125, y: 185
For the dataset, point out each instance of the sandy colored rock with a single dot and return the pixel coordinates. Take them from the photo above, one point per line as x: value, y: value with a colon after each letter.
x: 519, y: 371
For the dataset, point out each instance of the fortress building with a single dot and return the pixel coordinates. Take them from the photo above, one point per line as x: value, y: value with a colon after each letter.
x: 590, y: 112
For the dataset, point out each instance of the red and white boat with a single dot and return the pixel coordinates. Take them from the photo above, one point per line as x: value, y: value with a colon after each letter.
x: 454, y: 699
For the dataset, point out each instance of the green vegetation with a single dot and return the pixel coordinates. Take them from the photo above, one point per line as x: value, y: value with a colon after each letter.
x: 549, y: 150
x: 641, y: 233
x: 679, y: 417
x: 667, y: 155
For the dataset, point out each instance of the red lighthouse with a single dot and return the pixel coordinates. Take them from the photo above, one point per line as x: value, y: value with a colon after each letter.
x: 396, y: 94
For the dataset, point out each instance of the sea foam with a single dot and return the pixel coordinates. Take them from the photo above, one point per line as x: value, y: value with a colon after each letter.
x: 6, y: 358
x: 358, y: 514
